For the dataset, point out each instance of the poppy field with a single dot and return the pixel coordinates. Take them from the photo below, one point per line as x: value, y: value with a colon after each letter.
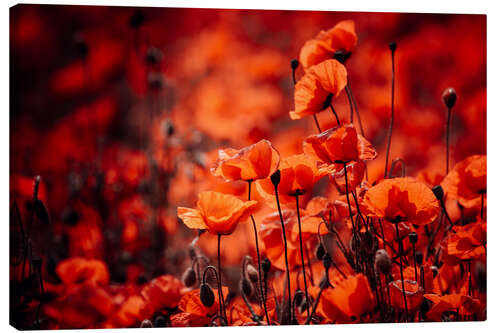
x: 174, y: 167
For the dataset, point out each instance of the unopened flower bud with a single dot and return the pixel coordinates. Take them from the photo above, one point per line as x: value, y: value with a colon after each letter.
x: 276, y: 178
x: 413, y: 236
x: 327, y: 261
x: 160, y: 321
x: 146, y: 323
x: 294, y: 64
x: 320, y: 251
x: 298, y: 297
x: 207, y: 296
x: 266, y: 265
x: 189, y: 277
x: 392, y: 46
x: 435, y: 271
x: 438, y: 192
x: 246, y: 287
x: 419, y: 257
x: 383, y: 262
x: 252, y: 273
x: 153, y: 56
x: 449, y: 97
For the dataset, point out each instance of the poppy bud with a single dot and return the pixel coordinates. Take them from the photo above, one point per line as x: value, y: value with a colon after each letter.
x: 419, y: 257
x: 207, y: 296
x: 37, y: 263
x: 327, y: 261
x: 155, y: 81
x: 153, y: 56
x: 189, y: 277
x: 169, y: 128
x: 392, y: 46
x: 341, y: 56
x: 413, y: 236
x: 480, y: 276
x: 146, y: 323
x: 252, y: 273
x: 449, y: 97
x: 246, y: 287
x: 81, y: 46
x: 266, y: 265
x: 160, y: 321
x: 367, y: 243
x: 276, y: 178
x: 383, y: 262
x: 294, y: 64
x: 320, y: 251
x: 435, y: 271
x: 438, y: 192
x: 298, y: 297
x: 137, y: 19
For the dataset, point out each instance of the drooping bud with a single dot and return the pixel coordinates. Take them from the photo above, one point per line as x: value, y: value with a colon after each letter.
x: 298, y: 297
x: 435, y: 271
x: 276, y: 178
x: 449, y: 97
x: 246, y: 287
x: 294, y: 64
x: 252, y: 273
x: 413, y: 236
x: 320, y: 251
x: 207, y: 296
x: 383, y: 262
x: 266, y: 265
x: 189, y: 277
x: 146, y: 323
x: 438, y: 192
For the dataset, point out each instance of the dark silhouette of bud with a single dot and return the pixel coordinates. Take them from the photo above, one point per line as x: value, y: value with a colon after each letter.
x: 276, y: 178
x: 419, y: 257
x: 449, y: 97
x: 392, y: 46
x: 294, y: 64
x: 246, y: 287
x: 435, y: 271
x: 298, y: 297
x: 327, y: 261
x: 169, y: 128
x: 146, y: 323
x: 137, y: 19
x: 320, y: 251
x: 81, y: 46
x: 341, y: 56
x: 153, y: 56
x: 37, y: 263
x: 383, y: 262
x: 266, y: 265
x: 207, y: 296
x: 156, y: 81
x: 480, y: 276
x: 252, y: 273
x: 160, y: 321
x: 189, y: 277
x: 438, y: 192
x: 413, y: 236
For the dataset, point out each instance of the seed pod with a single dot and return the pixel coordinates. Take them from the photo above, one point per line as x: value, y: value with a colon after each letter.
x: 413, y: 236
x: 392, y: 46
x: 189, y: 277
x: 266, y: 265
x: 276, y: 178
x: 449, y: 97
x: 320, y: 251
x: 294, y: 64
x: 383, y: 262
x: 246, y: 287
x: 207, y: 296
x: 252, y: 273
x: 435, y: 271
x: 419, y: 257
x: 160, y: 321
x: 438, y: 192
x: 298, y: 297
x: 146, y: 323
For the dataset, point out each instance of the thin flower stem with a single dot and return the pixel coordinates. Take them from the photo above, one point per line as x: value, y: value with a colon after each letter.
x: 391, y: 125
x: 263, y: 300
x: 317, y: 123
x: 347, y: 198
x: 470, y: 278
x: 335, y: 114
x: 482, y: 205
x: 401, y: 269
x: 254, y: 316
x: 350, y: 103
x: 302, y: 254
x: 448, y: 125
x: 349, y: 88
x: 286, y: 254
x: 316, y: 302
x: 223, y: 306
x: 415, y: 263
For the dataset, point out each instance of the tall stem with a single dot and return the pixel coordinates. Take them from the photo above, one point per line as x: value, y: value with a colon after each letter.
x: 302, y: 254
x: 448, y: 121
x: 349, y: 88
x: 286, y: 254
x: 317, y: 123
x: 335, y: 114
x: 415, y: 263
x: 400, y: 241
x: 389, y: 135
x: 263, y: 299
x: 223, y: 306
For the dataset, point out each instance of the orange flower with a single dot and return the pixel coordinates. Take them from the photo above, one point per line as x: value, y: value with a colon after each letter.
x: 468, y: 242
x: 341, y: 144
x: 312, y: 90
x: 257, y: 161
x: 401, y: 200
x: 163, y: 291
x: 355, y: 174
x: 217, y: 212
x: 322, y: 47
x: 467, y: 181
x: 465, y: 305
x: 77, y: 270
x: 299, y: 173
x: 348, y: 301
x: 414, y: 295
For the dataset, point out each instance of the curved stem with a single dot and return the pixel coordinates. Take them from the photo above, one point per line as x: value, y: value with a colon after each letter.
x: 335, y: 114
x: 223, y: 306
x: 391, y: 125
x: 401, y: 268
x: 317, y: 123
x: 349, y: 88
x: 286, y: 254
x: 263, y: 299
x: 302, y: 254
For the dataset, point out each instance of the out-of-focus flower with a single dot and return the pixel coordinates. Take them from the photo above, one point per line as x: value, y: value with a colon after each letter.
x: 463, y: 304
x: 414, y: 295
x: 76, y: 270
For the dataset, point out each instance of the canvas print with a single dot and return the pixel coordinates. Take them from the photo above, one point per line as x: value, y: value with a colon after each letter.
x: 174, y: 167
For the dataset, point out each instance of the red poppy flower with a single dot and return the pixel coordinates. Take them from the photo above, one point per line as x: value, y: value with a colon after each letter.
x: 414, y: 295
x: 348, y: 301
x: 468, y: 242
x: 401, y: 200
x: 355, y: 174
x: 164, y: 291
x: 465, y: 305
x: 467, y: 181
x: 257, y: 161
x: 339, y: 144
x: 80, y: 270
x: 312, y: 90
x: 322, y: 47
x: 217, y: 212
